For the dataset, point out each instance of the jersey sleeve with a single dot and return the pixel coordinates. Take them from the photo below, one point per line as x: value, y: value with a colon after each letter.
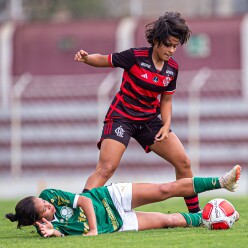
x: 124, y: 59
x: 59, y: 197
x: 171, y: 88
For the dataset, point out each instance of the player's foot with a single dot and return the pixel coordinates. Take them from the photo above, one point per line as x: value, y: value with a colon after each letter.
x: 230, y: 180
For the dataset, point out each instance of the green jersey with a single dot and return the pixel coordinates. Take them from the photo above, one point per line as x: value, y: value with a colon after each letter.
x: 71, y: 220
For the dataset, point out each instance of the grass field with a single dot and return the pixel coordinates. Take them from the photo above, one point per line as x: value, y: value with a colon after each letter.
x: 174, y: 237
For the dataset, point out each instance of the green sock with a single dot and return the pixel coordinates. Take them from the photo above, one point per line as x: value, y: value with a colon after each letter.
x: 202, y: 184
x: 193, y: 219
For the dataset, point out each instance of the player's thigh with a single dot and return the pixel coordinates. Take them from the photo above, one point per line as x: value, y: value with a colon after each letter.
x: 171, y: 150
x: 111, y: 152
x: 146, y: 193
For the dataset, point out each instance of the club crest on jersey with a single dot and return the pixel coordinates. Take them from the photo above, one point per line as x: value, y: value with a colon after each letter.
x: 166, y: 81
x: 66, y: 212
x: 155, y: 79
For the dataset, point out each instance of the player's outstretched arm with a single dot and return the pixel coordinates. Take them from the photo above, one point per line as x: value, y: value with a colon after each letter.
x: 96, y: 59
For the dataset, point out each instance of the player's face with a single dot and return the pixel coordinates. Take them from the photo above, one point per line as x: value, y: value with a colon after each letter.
x: 44, y: 208
x: 167, y: 49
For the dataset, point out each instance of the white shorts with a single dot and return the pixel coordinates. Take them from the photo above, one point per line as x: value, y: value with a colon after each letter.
x: 121, y: 194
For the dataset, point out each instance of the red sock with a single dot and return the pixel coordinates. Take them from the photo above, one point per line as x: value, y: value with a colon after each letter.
x: 192, y: 203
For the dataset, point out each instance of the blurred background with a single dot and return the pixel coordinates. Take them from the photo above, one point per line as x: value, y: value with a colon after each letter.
x: 52, y: 108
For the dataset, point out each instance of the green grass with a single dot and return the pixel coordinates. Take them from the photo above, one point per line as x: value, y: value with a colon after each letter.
x: 174, y: 237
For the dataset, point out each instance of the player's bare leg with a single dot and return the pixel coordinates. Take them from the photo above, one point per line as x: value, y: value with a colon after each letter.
x: 109, y: 159
x: 152, y: 220
x: 145, y: 193
x: 173, y: 151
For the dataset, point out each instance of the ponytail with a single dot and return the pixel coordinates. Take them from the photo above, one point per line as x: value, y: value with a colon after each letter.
x: 11, y: 217
x: 26, y: 213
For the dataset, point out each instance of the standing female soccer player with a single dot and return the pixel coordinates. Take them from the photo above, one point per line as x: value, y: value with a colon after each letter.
x: 149, y: 72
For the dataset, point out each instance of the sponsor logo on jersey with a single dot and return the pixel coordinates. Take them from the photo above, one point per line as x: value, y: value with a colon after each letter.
x: 119, y: 131
x: 155, y: 79
x: 66, y: 212
x: 111, y: 215
x: 169, y: 72
x: 166, y: 81
x: 144, y: 76
x: 145, y: 65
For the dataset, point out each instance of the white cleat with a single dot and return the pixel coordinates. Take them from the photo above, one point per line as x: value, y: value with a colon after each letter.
x: 230, y: 180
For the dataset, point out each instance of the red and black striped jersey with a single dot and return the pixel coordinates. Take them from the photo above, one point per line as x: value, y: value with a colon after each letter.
x: 141, y: 85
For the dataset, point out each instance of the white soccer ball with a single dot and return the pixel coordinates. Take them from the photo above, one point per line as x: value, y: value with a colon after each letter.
x: 219, y: 214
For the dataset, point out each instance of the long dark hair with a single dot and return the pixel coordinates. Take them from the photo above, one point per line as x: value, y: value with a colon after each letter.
x: 170, y: 24
x: 25, y: 212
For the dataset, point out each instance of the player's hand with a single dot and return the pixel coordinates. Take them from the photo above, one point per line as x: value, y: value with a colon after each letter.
x: 92, y: 232
x: 81, y: 56
x: 46, y: 228
x: 162, y: 135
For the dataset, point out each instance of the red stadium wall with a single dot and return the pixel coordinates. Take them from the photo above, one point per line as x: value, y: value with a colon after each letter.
x: 49, y: 48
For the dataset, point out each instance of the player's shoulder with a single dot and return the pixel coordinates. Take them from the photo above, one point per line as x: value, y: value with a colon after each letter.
x: 141, y: 51
x: 48, y: 192
x: 172, y: 63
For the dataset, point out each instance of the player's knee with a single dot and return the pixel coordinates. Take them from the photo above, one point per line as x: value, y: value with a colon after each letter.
x: 185, y: 164
x: 175, y: 220
x: 169, y: 221
x: 106, y: 170
x: 165, y: 190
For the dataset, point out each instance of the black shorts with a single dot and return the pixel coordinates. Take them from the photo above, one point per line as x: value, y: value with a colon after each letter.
x: 122, y: 131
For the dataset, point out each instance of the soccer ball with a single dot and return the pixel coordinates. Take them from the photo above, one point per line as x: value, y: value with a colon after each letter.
x: 218, y: 214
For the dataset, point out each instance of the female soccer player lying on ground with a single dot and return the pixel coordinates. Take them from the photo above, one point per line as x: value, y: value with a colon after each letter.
x: 109, y: 209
